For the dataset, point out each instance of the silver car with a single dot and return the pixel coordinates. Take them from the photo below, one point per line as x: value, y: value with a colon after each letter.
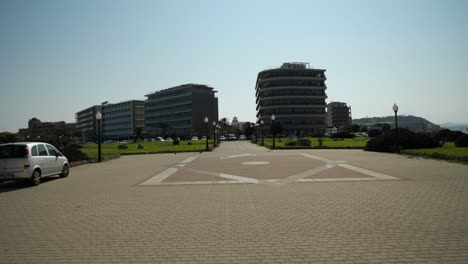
x: 31, y: 161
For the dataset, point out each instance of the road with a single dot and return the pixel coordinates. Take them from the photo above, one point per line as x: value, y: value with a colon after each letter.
x: 242, y: 204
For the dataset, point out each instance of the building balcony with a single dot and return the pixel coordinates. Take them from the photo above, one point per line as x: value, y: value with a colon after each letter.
x: 299, y: 78
x: 289, y: 87
x: 278, y: 97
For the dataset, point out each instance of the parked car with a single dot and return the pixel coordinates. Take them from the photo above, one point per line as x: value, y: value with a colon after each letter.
x: 203, y: 138
x: 231, y: 137
x: 222, y: 138
x: 169, y: 139
x: 31, y: 161
x: 242, y: 137
x: 194, y: 138
x: 159, y: 139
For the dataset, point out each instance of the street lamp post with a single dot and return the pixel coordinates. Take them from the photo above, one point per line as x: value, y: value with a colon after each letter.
x: 261, y: 125
x: 218, y: 128
x: 214, y: 134
x: 98, y: 118
x: 256, y: 133
x: 273, y: 130
x: 206, y: 126
x: 395, y: 109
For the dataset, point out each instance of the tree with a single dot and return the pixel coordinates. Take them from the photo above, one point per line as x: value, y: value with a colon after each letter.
x: 277, y: 128
x: 138, y: 134
x: 355, y: 128
x: 7, y: 137
x: 247, y: 129
x: 224, y: 124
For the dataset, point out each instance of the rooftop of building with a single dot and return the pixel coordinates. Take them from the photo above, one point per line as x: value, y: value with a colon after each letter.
x: 123, y: 102
x: 336, y: 104
x: 184, y: 86
x: 294, y: 66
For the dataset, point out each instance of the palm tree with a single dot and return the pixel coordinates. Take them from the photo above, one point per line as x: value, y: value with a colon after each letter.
x: 224, y: 124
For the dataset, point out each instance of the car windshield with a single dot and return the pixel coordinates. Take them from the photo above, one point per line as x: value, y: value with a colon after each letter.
x: 12, y: 151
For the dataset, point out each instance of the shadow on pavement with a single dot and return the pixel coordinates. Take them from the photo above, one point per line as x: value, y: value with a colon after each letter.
x: 10, y: 186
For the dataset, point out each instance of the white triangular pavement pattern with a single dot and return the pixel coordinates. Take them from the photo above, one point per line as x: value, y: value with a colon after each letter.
x: 377, y: 175
x: 300, y: 177
x: 238, y: 178
x: 157, y: 179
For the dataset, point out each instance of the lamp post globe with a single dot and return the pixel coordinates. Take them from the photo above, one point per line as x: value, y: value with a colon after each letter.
x: 395, y: 108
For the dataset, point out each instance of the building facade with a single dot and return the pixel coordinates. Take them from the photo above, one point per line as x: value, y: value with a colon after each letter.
x: 121, y: 120
x: 181, y: 110
x: 86, y: 123
x: 235, y: 123
x: 338, y: 115
x: 295, y: 94
x: 38, y: 128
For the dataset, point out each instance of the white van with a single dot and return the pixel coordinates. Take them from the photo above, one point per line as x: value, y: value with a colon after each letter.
x: 31, y: 161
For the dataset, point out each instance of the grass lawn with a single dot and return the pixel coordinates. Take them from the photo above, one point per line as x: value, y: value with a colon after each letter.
x: 148, y: 147
x: 447, y: 151
x: 358, y: 142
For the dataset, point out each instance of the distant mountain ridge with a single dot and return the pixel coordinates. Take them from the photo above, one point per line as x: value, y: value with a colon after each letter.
x: 391, y: 119
x: 414, y: 123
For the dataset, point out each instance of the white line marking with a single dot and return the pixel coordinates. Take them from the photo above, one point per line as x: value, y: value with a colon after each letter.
x: 188, y: 160
x: 160, y: 177
x: 315, y: 157
x: 305, y: 174
x: 181, y: 165
x: 256, y: 163
x: 237, y: 156
x: 338, y: 179
x: 198, y: 182
x: 238, y: 178
x: 377, y: 175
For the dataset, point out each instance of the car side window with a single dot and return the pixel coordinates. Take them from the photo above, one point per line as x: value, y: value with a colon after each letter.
x: 34, y: 151
x: 42, y: 150
x: 52, y: 151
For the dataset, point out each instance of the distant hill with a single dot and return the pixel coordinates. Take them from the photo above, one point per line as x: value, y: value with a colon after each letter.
x: 414, y: 123
x: 456, y: 127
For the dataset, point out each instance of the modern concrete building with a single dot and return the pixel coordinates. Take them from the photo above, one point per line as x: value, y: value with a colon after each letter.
x: 181, y: 110
x: 295, y: 94
x: 338, y: 115
x: 121, y: 120
x: 38, y: 128
x: 86, y: 122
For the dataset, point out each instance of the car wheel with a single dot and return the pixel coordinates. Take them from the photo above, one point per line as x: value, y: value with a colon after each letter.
x: 65, y: 171
x: 36, y: 178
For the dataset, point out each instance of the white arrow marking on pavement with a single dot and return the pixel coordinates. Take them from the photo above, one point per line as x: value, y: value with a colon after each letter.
x: 160, y: 177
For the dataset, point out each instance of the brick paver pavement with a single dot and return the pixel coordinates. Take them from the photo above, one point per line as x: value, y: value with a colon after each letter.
x: 101, y: 214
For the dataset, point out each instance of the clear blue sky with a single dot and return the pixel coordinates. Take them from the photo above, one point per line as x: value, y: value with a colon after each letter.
x: 59, y: 57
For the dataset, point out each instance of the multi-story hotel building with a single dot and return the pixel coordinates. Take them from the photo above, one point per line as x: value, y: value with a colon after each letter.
x: 181, y: 110
x: 295, y: 94
x: 86, y: 122
x: 121, y: 120
x: 338, y: 115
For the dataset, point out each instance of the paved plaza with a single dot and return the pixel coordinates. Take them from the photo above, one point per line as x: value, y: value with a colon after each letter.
x: 242, y: 204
